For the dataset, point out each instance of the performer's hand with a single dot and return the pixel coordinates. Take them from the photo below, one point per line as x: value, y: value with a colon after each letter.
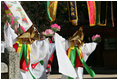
x: 6, y: 23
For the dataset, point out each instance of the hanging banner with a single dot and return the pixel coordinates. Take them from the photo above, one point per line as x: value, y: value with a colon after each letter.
x: 7, y: 11
x: 51, y: 10
x: 112, y: 14
x: 97, y: 13
x: 12, y: 20
x: 19, y: 14
x: 91, y: 12
x: 106, y: 14
x: 103, y: 13
x: 73, y: 16
x: 97, y: 5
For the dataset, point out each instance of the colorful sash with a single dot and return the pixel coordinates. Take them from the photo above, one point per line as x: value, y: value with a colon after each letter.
x: 73, y: 16
x: 71, y: 55
x: 24, y: 50
x: 51, y: 10
x: 88, y: 69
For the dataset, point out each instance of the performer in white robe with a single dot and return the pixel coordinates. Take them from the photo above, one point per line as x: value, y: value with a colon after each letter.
x: 87, y: 49
x: 40, y: 49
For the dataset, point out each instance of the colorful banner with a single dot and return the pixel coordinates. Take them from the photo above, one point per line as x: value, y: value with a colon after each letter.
x: 97, y: 11
x: 19, y: 14
x: 24, y: 51
x: 7, y: 11
x: 73, y: 16
x: 51, y: 10
x: 91, y: 12
x: 11, y: 19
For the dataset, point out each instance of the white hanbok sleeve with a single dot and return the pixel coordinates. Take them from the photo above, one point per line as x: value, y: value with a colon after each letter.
x: 51, y: 49
x: 9, y: 35
x: 87, y: 49
x: 39, y: 49
x: 65, y: 66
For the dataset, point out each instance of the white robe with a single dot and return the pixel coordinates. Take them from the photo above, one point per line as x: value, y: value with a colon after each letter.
x: 87, y: 49
x: 65, y: 66
x: 41, y: 50
x: 9, y: 35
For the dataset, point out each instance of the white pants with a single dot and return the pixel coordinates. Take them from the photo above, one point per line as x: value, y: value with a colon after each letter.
x: 79, y: 72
